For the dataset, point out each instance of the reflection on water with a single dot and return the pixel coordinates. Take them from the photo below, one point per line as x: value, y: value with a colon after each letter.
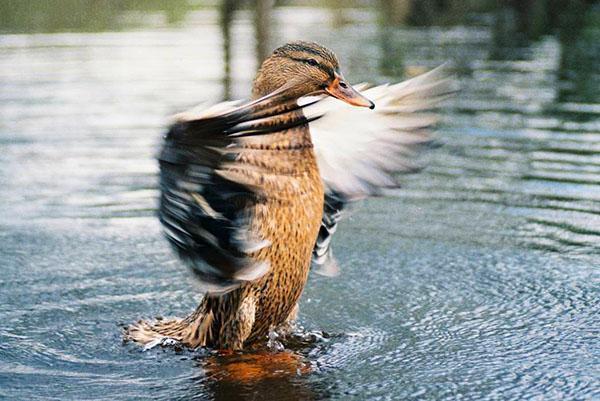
x: 281, y: 376
x: 476, y: 280
x: 84, y: 15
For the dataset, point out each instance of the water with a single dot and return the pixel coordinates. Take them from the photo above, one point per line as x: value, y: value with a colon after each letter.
x: 477, y: 280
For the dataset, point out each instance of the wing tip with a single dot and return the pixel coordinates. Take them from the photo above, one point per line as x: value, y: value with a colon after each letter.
x: 327, y: 265
x: 216, y: 284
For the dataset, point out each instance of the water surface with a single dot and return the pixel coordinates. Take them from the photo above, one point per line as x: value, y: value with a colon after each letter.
x: 477, y: 280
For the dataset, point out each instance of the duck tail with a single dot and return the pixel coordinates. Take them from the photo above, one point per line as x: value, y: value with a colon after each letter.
x: 193, y: 331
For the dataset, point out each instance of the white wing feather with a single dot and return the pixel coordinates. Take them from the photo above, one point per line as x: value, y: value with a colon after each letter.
x: 358, y: 150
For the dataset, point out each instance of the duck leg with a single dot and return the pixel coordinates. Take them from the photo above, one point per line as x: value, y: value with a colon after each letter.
x: 287, y: 327
x: 293, y: 315
x: 238, y: 328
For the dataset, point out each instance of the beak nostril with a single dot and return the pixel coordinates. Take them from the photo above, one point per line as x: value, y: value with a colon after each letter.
x: 340, y: 89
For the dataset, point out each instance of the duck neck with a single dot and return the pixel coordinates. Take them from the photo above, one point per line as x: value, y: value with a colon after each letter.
x: 296, y: 137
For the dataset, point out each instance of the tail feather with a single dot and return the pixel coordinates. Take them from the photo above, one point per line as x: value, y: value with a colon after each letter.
x: 193, y: 331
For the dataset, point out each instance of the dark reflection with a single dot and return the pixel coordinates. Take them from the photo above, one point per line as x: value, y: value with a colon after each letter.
x: 580, y: 66
x: 227, y: 10
x: 580, y: 41
x: 517, y: 23
x: 394, y: 12
x: 505, y: 35
x: 535, y: 18
x: 390, y: 13
x: 432, y: 12
x: 439, y: 12
x: 263, y: 23
x: 531, y: 18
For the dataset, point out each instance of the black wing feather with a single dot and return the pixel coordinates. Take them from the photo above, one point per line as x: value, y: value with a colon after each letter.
x: 205, y: 215
x: 333, y: 208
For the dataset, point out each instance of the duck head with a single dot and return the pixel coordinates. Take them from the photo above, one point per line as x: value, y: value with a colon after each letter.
x: 308, y: 69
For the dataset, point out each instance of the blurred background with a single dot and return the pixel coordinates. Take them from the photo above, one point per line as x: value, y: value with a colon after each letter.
x: 477, y: 280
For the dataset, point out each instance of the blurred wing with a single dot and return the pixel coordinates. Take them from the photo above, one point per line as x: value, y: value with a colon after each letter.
x: 323, y: 258
x: 207, y: 195
x: 359, y: 151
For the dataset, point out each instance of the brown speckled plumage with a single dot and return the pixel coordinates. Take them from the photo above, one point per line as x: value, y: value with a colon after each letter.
x: 291, y: 223
x: 289, y: 220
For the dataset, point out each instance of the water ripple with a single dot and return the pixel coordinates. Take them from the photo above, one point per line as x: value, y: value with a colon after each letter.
x: 476, y: 280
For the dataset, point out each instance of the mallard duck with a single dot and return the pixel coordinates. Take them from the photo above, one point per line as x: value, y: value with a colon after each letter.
x: 252, y: 192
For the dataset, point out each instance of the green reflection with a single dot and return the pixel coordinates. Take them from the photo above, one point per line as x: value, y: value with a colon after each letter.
x: 81, y: 15
x: 579, y: 59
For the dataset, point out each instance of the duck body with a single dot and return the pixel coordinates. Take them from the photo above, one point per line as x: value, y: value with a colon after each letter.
x: 249, y: 197
x: 290, y: 221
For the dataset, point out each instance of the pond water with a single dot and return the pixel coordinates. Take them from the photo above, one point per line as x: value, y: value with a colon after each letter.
x: 477, y: 280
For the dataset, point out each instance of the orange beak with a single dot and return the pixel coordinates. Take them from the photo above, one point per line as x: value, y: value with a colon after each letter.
x: 343, y: 91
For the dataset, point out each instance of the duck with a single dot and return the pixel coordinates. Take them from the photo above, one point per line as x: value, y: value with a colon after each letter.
x: 251, y: 192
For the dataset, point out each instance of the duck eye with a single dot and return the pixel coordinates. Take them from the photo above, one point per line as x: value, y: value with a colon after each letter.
x: 312, y: 62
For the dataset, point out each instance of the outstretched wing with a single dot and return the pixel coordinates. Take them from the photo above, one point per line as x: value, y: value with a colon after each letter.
x: 360, y: 151
x: 207, y: 194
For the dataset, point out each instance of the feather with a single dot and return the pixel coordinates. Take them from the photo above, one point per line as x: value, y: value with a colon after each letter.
x: 360, y: 151
x: 206, y: 192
